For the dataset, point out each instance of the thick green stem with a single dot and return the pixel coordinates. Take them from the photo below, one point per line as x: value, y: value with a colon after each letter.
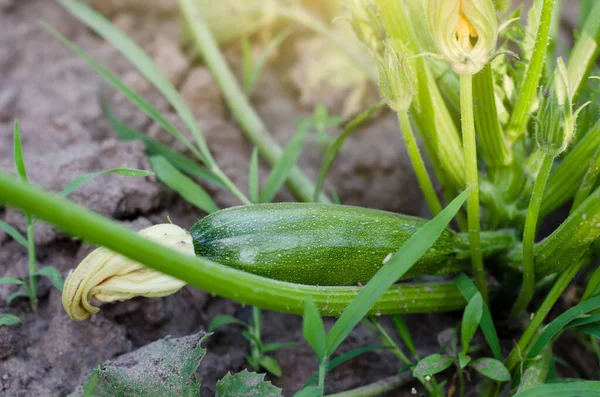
x: 472, y: 179
x: 250, y: 122
x: 589, y: 181
x: 532, y: 77
x: 213, y: 277
x: 418, y: 165
x: 529, y: 234
x: 378, y: 388
x: 555, y: 293
x: 32, y: 265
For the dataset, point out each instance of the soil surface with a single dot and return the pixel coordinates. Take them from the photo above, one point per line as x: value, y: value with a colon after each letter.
x: 54, y: 96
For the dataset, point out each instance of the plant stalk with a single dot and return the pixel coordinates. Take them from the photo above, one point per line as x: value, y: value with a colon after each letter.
x: 322, y: 373
x: 32, y: 265
x: 472, y: 179
x: 378, y: 388
x: 531, y: 222
x: 418, y: 165
x: 212, y: 277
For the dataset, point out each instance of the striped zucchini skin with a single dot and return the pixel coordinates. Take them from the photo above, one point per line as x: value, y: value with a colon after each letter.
x: 327, y: 245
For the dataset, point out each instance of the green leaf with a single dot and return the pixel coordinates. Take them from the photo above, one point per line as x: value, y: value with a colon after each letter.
x: 309, y: 391
x: 284, y: 166
x: 562, y: 321
x: 222, y: 320
x: 54, y: 275
x: 404, y: 334
x: 271, y: 347
x: 15, y: 295
x: 468, y: 290
x: 142, y: 62
x: 166, y: 367
x: 11, y: 280
x: 590, y: 329
x: 14, y: 233
x: 129, y: 93
x: 18, y: 154
x: 433, y: 364
x: 588, y: 319
x: 491, y: 368
x: 90, y: 384
x: 389, y: 273
x: 335, y: 147
x: 571, y: 389
x: 463, y: 360
x: 342, y: 358
x: 80, y: 180
x: 253, y: 73
x: 246, y: 384
x: 271, y: 365
x: 253, y: 181
x: 186, y: 187
x: 470, y: 321
x: 313, y: 328
x: 8, y: 320
x: 252, y: 338
x: 154, y: 147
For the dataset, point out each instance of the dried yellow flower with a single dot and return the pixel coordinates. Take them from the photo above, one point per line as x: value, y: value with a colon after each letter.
x: 107, y: 276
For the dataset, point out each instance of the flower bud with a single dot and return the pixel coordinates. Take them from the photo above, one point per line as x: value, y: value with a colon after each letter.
x: 366, y: 24
x: 107, y: 276
x: 465, y: 31
x: 395, y: 79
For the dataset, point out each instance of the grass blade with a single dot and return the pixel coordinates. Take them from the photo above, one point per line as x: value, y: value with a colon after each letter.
x: 468, y: 290
x: 255, y: 70
x: 552, y: 329
x: 130, y: 94
x: 154, y: 147
x: 313, y: 328
x: 80, y: 180
x: 8, y: 319
x: 400, y: 263
x: 471, y: 320
x: 54, y: 275
x: 14, y: 233
x: 223, y: 320
x: 142, y: 62
x: 405, y: 334
x: 571, y: 389
x: 337, y: 144
x: 18, y: 154
x: 253, y: 181
x: 11, y: 280
x: 284, y: 166
x: 186, y: 187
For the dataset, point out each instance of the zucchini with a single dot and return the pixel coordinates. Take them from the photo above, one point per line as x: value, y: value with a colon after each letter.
x: 327, y: 245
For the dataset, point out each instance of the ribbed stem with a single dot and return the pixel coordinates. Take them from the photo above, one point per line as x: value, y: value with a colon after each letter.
x: 472, y: 179
x: 212, y: 277
x: 529, y: 234
x: 418, y: 165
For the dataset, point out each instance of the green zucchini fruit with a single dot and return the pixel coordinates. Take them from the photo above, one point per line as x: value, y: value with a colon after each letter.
x: 327, y: 245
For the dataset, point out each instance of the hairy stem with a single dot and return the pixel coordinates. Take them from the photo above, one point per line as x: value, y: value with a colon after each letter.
x: 529, y: 234
x: 213, y: 277
x: 418, y: 165
x: 472, y: 179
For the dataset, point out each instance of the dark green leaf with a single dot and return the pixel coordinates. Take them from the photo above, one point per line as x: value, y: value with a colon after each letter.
x: 14, y: 233
x: 470, y: 321
x: 90, y: 384
x: 587, y: 319
x: 18, y: 154
x: 54, y: 275
x: 404, y: 334
x: 468, y: 290
x: 591, y: 329
x: 246, y: 384
x: 433, y: 364
x: 80, y: 180
x: 400, y: 263
x: 463, y: 360
x: 571, y: 389
x: 11, y: 280
x: 253, y: 181
x: 222, y: 320
x: 15, y: 295
x: 284, y: 166
x: 186, y: 187
x: 271, y: 365
x: 313, y: 328
x: 342, y: 358
x: 271, y: 347
x: 491, y: 368
x: 552, y: 329
x: 335, y: 147
x: 252, y: 338
x: 309, y: 391
x: 8, y: 320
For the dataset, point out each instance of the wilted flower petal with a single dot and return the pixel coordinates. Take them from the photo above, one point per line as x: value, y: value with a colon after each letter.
x: 107, y: 276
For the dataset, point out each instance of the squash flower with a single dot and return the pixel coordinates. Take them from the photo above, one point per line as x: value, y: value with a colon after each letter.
x: 106, y: 276
x: 465, y: 32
